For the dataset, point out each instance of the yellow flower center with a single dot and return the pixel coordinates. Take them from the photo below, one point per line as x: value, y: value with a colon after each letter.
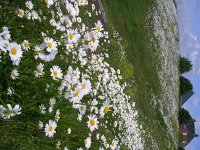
x: 106, y: 109
x: 75, y: 85
x: 28, y: 5
x: 113, y: 144
x: 57, y: 116
x: 84, y: 86
x: 85, y: 141
x: 21, y: 13
x: 92, y: 122
x: 70, y: 47
x: 86, y: 42
x: 26, y: 44
x: 50, y: 128
x: 71, y: 36
x: 50, y: 45
x: 14, y: 51
x: 13, y: 74
x: 76, y: 94
x: 7, y: 112
x: 46, y: 1
x: 81, y: 108
x: 6, y: 45
x: 98, y: 29
x: 55, y: 73
x: 39, y: 70
x: 93, y: 39
x: 76, y: 74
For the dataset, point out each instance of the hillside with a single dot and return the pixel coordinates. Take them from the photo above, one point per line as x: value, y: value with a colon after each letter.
x: 70, y: 80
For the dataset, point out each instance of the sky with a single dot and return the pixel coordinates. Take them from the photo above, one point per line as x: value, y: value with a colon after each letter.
x: 189, y: 43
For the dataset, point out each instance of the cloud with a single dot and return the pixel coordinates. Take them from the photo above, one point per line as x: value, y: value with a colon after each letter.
x: 193, y: 55
x: 192, y: 36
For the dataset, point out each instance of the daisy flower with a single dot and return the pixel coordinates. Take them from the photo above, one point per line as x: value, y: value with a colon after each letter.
x: 56, y: 72
x: 52, y: 101
x: 10, y: 91
x: 113, y: 146
x: 29, y: 5
x: 34, y: 15
x: 51, y: 44
x: 20, y: 13
x: 6, y: 33
x: 82, y: 109
x: 72, y: 35
x: 36, y: 51
x: 40, y: 125
x: 88, y: 142
x: 14, y: 74
x: 57, y: 116
x: 25, y: 45
x: 69, y: 130
x: 15, y: 51
x: 50, y: 128
x: 86, y: 86
x: 49, y: 2
x: 92, y: 122
x: 86, y: 40
x: 99, y: 27
x: 39, y: 70
x: 76, y: 96
x: 6, y: 113
x: 105, y: 109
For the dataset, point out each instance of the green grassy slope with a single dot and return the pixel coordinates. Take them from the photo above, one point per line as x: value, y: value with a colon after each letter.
x: 128, y: 18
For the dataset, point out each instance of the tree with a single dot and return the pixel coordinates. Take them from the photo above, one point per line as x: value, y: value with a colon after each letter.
x: 185, y: 65
x: 185, y: 85
x: 184, y: 116
x: 181, y: 148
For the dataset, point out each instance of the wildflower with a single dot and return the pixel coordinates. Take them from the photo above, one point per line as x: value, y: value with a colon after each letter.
x: 92, y: 122
x: 51, y: 44
x: 105, y: 109
x: 20, y: 13
x: 10, y: 91
x: 86, y: 86
x: 40, y: 125
x: 50, y: 128
x: 69, y: 130
x: 42, y: 109
x: 6, y: 113
x: 15, y: 52
x: 88, y: 142
x: 29, y: 5
x: 25, y: 45
x: 14, y: 74
x: 34, y: 15
x: 72, y: 35
x: 113, y: 146
x: 82, y: 109
x: 56, y: 72
x: 52, y: 101
x: 49, y: 2
x: 57, y: 116
x: 39, y: 70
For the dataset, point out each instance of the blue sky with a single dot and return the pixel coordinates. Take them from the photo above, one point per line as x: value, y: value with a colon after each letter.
x: 189, y: 36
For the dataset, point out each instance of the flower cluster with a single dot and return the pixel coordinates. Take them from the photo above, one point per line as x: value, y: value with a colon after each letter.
x: 89, y: 83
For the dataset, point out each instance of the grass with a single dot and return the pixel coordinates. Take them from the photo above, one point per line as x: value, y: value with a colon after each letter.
x: 129, y: 19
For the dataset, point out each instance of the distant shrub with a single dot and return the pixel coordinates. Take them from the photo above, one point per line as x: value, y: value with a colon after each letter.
x: 185, y: 65
x: 185, y: 85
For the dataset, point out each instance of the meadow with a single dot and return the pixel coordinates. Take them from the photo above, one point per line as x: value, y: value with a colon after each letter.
x: 68, y: 81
